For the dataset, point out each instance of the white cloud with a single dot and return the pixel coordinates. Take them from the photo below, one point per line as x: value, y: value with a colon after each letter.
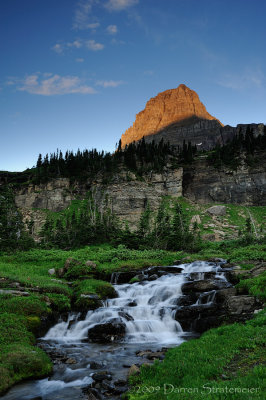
x: 55, y: 85
x: 111, y: 83
x: 112, y: 29
x: 82, y: 19
x: 80, y: 60
x: 76, y: 43
x: 248, y: 78
x: 94, y: 46
x: 58, y: 48
x: 119, y: 5
x: 93, y: 25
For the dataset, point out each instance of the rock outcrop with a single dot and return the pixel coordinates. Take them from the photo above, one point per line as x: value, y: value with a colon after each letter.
x: 203, y: 183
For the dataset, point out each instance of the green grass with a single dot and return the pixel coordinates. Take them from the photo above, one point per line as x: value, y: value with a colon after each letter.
x: 94, y: 286
x: 31, y: 305
x: 229, y: 356
x: 19, y: 359
x: 255, y: 286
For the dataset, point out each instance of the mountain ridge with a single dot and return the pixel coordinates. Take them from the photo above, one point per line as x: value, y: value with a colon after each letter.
x: 180, y: 106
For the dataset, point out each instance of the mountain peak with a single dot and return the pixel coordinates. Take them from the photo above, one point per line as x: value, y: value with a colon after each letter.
x: 180, y: 106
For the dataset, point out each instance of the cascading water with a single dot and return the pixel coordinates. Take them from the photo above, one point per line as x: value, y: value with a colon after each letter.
x: 150, y: 320
x: 148, y: 311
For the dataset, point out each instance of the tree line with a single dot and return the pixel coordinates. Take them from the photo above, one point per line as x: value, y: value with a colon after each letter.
x: 243, y: 144
x: 86, y: 224
x: 139, y: 157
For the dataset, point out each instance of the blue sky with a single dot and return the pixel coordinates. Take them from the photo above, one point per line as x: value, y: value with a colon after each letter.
x: 74, y: 73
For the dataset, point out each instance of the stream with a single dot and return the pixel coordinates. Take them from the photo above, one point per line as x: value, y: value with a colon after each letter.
x: 146, y: 309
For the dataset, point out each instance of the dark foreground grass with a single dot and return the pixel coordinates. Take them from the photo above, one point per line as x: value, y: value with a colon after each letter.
x: 225, y: 363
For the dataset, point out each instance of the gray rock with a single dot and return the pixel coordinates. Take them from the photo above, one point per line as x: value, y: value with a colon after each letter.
x: 91, y: 264
x: 237, y: 305
x: 51, y: 271
x: 217, y: 210
x: 110, y: 331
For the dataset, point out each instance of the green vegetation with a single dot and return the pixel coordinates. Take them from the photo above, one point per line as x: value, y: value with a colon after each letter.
x: 82, y: 223
x: 241, y: 146
x: 19, y: 359
x: 226, y: 357
x: 12, y: 231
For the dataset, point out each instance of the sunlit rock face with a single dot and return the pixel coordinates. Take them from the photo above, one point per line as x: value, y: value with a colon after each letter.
x: 171, y: 115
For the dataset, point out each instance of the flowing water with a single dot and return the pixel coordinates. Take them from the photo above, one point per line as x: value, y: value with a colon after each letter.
x: 147, y: 309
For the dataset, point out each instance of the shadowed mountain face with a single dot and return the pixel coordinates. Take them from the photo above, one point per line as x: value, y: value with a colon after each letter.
x: 172, y: 115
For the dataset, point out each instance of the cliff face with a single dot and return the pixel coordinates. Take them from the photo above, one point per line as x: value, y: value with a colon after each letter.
x: 169, y: 111
x: 203, y: 183
x: 127, y: 196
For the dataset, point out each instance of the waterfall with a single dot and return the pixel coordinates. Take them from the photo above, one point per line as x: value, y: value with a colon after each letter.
x: 151, y: 311
x: 146, y: 308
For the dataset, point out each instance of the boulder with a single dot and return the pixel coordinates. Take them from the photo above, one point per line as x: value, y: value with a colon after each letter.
x: 217, y: 210
x: 70, y: 262
x: 204, y: 286
x: 87, y: 302
x: 197, y: 318
x: 223, y: 294
x: 241, y: 305
x: 108, y: 332
x: 91, y: 264
x: 51, y: 271
x: 159, y: 270
x: 101, y: 376
x: 132, y: 303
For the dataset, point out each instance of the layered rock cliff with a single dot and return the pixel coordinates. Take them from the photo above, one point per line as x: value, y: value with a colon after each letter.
x: 127, y: 195
x: 174, y: 115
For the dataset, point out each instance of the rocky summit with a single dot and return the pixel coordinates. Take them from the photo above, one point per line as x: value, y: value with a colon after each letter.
x: 174, y: 115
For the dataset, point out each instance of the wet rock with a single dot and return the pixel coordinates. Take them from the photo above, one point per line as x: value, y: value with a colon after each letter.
x: 108, y: 332
x: 224, y: 294
x: 189, y: 317
x: 234, y: 276
x: 95, y: 365
x: 126, y: 316
x: 120, y: 390
x: 51, y: 271
x: 101, y: 376
x: 70, y: 361
x: 125, y: 277
x: 139, y: 278
x: 203, y: 324
x: 169, y: 269
x: 153, y: 277
x: 92, y: 393
x: 132, y: 304
x: 186, y: 300
x: 133, y: 370
x: 204, y: 286
x: 71, y: 323
x: 120, y: 382
x: 155, y: 355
